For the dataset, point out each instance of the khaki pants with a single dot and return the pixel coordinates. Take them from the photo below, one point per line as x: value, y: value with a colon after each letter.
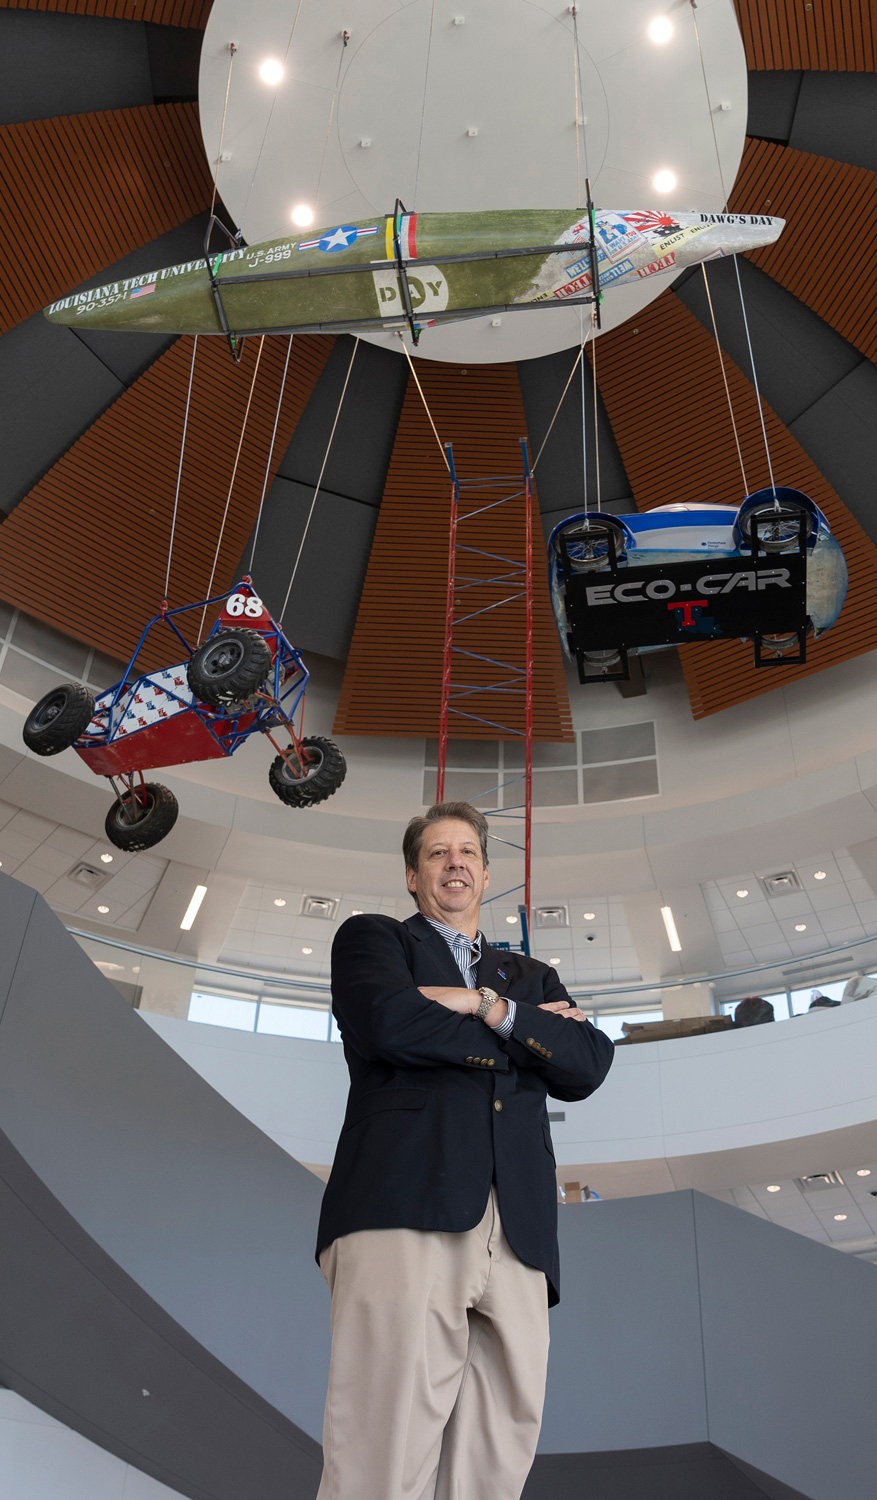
x: 437, y: 1376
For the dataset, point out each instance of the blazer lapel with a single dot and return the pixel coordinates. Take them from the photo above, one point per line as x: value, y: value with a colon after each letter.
x: 436, y: 951
x: 494, y: 969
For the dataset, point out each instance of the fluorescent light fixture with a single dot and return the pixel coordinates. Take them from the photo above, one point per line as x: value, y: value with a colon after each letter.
x: 106, y: 859
x: 661, y: 29
x: 670, y: 925
x: 742, y: 895
x: 773, y: 1187
x: 194, y: 907
x: 302, y: 215
x: 664, y: 181
x: 819, y: 874
x: 271, y: 71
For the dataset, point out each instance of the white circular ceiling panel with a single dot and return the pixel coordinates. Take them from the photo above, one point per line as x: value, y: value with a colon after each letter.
x: 472, y: 107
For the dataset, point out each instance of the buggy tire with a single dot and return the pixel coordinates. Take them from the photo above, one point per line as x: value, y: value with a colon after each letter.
x: 155, y: 822
x: 325, y: 769
x: 781, y: 526
x: 58, y: 720
x: 229, y: 667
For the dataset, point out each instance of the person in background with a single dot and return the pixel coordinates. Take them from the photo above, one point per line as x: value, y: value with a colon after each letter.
x: 438, y: 1232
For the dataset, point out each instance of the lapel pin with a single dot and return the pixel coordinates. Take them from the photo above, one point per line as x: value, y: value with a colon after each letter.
x: 501, y: 973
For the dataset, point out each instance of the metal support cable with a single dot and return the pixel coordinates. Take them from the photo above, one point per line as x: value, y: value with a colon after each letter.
x: 232, y: 49
x: 724, y: 375
x: 755, y: 381
x: 596, y: 427
x: 423, y: 105
x: 268, y: 121
x: 170, y: 549
x: 319, y: 480
x: 709, y: 105
x: 425, y: 403
x: 270, y: 452
x: 572, y: 372
x: 234, y: 472
x: 331, y: 118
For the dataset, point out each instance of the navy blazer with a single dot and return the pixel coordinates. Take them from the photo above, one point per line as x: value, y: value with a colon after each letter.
x: 439, y: 1105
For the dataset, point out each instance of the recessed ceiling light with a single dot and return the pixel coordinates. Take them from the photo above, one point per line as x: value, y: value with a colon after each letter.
x: 106, y: 859
x: 356, y: 913
x: 271, y: 71
x: 193, y: 908
x: 773, y: 1187
x: 863, y: 1172
x: 279, y: 901
x: 800, y: 926
x: 512, y: 920
x: 840, y: 1218
x: 302, y: 215
x: 103, y: 910
x: 1, y: 864
x: 307, y: 950
x: 742, y: 894
x: 661, y: 29
x: 819, y: 874
x: 554, y: 960
x: 664, y: 181
x: 135, y: 968
x: 589, y: 916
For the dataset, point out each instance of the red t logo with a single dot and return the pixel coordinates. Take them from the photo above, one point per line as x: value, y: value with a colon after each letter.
x: 687, y: 606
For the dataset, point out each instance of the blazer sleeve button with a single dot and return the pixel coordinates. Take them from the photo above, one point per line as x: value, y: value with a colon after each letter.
x: 490, y: 1062
x: 468, y: 1059
x: 530, y: 1042
x: 497, y: 1104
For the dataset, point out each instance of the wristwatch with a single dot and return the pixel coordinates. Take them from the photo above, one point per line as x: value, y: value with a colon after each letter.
x: 489, y: 1000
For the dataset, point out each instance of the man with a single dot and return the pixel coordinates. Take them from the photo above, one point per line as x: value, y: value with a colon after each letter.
x: 438, y: 1233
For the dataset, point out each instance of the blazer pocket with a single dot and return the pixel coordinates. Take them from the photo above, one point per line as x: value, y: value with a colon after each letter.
x: 380, y: 1099
x: 549, y: 1144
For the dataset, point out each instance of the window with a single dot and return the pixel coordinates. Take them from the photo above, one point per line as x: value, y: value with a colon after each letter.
x: 611, y: 1024
x: 801, y: 998
x: 309, y: 1021
x: 222, y: 1010
x: 779, y: 1002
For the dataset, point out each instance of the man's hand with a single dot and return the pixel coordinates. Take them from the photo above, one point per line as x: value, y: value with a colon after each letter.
x: 465, y: 1002
x: 560, y: 1008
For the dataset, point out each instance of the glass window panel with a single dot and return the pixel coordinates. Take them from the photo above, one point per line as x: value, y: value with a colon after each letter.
x: 633, y: 778
x: 801, y: 998
x: 335, y: 1033
x: 222, y: 1010
x: 611, y: 1025
x: 293, y: 1020
x: 555, y: 789
x: 623, y: 742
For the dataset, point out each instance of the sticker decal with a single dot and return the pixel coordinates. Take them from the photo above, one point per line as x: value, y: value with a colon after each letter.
x: 429, y: 291
x: 141, y: 291
x: 338, y: 239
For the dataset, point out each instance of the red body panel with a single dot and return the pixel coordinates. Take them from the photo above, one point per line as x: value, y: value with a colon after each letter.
x: 173, y: 743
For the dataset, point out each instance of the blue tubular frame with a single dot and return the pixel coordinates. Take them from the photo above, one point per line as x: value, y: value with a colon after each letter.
x: 290, y: 680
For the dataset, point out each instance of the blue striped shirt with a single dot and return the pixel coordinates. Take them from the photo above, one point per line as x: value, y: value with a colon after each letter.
x: 467, y: 953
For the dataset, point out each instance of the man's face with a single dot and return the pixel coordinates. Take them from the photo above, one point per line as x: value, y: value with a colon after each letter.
x: 451, y: 877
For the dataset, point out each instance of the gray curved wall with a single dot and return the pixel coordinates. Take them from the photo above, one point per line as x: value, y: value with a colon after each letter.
x: 154, y: 1239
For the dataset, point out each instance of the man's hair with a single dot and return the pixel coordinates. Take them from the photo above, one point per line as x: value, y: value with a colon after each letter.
x: 464, y: 812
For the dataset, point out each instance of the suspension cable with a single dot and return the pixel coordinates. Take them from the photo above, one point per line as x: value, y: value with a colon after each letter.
x: 572, y: 372
x: 344, y: 40
x: 425, y: 403
x: 232, y: 50
x: 423, y: 107
x: 724, y: 376
x: 233, y: 478
x: 709, y: 104
x: 304, y: 535
x: 270, y: 118
x: 580, y: 107
x: 584, y: 423
x: 270, y: 453
x: 755, y: 382
x: 596, y: 427
x: 170, y: 549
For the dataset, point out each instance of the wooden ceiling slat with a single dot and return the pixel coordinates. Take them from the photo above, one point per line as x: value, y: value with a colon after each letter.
x: 808, y: 192
x: 657, y: 383
x: 829, y: 35
x: 86, y: 550
x: 392, y: 684
x: 192, y: 13
x: 81, y: 191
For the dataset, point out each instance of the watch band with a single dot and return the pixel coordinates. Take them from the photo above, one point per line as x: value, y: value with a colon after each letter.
x: 489, y: 1000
